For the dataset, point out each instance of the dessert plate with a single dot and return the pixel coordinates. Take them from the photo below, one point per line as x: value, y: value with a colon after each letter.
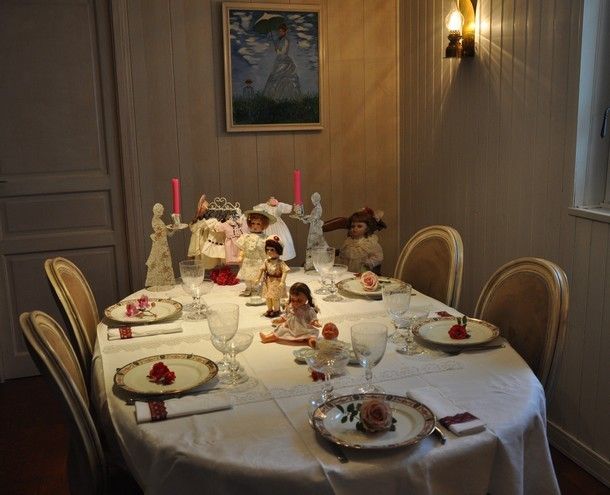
x: 436, y: 331
x: 353, y: 287
x: 163, y: 309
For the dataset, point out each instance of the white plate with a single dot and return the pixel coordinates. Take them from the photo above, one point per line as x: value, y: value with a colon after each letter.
x: 436, y: 331
x: 414, y: 422
x: 191, y: 371
x: 301, y: 354
x: 353, y: 286
x: 162, y: 310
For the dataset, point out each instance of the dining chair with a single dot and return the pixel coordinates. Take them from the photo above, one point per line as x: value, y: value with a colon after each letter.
x: 54, y: 356
x: 432, y: 261
x: 77, y: 303
x: 527, y: 299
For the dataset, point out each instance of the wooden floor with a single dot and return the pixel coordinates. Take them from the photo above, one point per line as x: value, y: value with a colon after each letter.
x: 34, y: 443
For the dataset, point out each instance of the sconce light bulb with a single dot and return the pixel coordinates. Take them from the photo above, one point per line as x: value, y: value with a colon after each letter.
x: 454, y: 20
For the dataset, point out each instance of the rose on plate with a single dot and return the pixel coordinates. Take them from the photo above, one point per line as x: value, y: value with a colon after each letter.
x: 161, y: 374
x: 374, y: 416
x: 369, y: 281
x: 459, y: 331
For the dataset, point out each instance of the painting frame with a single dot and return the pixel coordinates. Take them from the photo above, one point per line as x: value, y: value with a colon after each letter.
x: 273, y: 68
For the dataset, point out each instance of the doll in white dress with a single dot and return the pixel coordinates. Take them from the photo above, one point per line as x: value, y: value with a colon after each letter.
x: 199, y: 230
x: 276, y: 209
x: 252, y: 245
x: 272, y: 276
x: 300, y: 320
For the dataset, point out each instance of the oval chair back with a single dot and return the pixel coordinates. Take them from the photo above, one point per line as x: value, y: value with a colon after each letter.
x: 432, y: 262
x: 76, y: 300
x: 527, y: 299
x: 54, y: 356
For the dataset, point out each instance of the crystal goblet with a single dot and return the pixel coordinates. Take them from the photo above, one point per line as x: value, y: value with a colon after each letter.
x: 369, y: 341
x: 335, y: 272
x: 223, y: 320
x: 330, y: 359
x: 192, y: 273
x: 239, y: 343
x: 322, y: 258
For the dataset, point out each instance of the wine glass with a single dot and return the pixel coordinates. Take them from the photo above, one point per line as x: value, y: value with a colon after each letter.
x: 322, y: 258
x: 330, y: 359
x: 192, y: 273
x: 225, y: 363
x: 369, y: 341
x: 239, y: 343
x: 397, y: 300
x: 335, y: 272
x: 223, y: 320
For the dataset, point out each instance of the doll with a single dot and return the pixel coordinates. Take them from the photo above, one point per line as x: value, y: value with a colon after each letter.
x: 199, y: 229
x: 361, y: 250
x: 252, y: 245
x: 273, y: 276
x: 232, y: 229
x: 276, y: 209
x: 301, y: 318
x: 159, y: 262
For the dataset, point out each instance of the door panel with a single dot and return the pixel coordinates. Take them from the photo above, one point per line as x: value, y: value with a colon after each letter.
x: 60, y: 188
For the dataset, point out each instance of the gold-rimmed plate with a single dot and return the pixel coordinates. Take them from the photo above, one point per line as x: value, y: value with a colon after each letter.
x: 160, y: 310
x: 191, y: 372
x: 414, y: 422
x: 436, y: 331
x: 353, y: 287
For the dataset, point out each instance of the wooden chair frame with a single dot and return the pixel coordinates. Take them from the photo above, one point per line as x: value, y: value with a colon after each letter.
x: 449, y: 240
x: 503, y: 285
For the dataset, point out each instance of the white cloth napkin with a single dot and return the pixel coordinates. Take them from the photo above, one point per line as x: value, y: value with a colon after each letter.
x: 183, y: 406
x: 444, y: 408
x: 128, y: 332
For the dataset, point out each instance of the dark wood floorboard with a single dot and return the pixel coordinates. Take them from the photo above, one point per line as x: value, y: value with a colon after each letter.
x: 34, y: 445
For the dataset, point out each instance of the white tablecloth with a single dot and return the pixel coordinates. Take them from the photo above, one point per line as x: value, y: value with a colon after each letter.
x: 265, y: 444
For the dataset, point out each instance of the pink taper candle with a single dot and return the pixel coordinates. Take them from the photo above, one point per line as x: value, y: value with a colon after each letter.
x: 297, y: 187
x: 176, y: 191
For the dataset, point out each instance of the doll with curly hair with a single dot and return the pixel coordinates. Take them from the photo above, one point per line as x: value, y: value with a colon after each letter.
x: 361, y: 250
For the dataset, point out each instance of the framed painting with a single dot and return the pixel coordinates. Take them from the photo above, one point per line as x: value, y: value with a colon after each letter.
x: 273, y: 66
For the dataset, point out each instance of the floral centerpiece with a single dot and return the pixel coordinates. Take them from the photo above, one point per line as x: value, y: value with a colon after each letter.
x: 223, y: 276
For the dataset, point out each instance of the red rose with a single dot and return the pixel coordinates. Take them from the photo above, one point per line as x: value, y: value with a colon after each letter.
x: 369, y: 281
x: 160, y: 373
x: 458, y: 332
x: 375, y: 415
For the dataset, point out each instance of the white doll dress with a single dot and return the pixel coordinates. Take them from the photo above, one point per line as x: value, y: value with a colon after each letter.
x: 280, y: 228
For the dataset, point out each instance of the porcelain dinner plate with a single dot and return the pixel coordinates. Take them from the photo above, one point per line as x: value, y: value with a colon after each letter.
x: 191, y: 371
x: 162, y: 310
x: 436, y: 331
x: 414, y: 422
x: 353, y: 286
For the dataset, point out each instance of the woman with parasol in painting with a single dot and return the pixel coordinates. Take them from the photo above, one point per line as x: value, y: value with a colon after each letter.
x: 283, y: 81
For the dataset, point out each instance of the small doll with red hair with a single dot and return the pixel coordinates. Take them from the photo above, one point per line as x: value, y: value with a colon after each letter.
x: 361, y: 250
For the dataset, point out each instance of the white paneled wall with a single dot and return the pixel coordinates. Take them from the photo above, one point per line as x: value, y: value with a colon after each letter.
x: 487, y: 146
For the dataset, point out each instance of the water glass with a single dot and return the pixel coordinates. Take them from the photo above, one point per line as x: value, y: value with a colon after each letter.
x: 192, y: 273
x: 330, y: 361
x: 239, y: 343
x: 223, y: 320
x: 369, y: 341
x: 335, y: 272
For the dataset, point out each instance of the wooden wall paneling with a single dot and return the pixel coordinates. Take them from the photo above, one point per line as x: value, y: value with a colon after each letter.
x: 154, y: 107
x: 275, y: 158
x: 195, y: 97
x: 602, y: 406
x: 588, y: 426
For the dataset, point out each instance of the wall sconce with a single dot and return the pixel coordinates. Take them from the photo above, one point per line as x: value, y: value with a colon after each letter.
x: 461, y: 24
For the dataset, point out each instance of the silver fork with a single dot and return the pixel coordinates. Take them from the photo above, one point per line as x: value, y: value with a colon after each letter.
x: 455, y: 352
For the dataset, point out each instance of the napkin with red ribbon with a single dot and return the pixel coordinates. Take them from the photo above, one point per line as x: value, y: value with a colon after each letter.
x: 448, y: 414
x: 159, y: 410
x: 129, y: 332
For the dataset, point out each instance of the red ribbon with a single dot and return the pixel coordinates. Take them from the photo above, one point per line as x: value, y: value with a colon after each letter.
x: 458, y: 418
x: 125, y: 332
x: 157, y: 410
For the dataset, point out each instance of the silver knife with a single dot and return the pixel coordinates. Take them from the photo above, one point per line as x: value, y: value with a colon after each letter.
x: 338, y: 451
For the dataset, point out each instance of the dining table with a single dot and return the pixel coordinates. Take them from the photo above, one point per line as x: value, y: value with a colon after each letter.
x: 265, y: 443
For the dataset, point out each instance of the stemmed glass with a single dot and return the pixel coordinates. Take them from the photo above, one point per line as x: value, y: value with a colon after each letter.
x: 192, y: 273
x: 335, y: 272
x: 223, y: 320
x: 322, y: 258
x: 239, y: 343
x: 331, y: 360
x: 397, y: 300
x: 369, y: 341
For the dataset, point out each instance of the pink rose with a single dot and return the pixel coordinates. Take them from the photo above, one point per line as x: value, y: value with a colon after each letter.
x: 143, y: 302
x: 131, y: 310
x: 375, y: 415
x: 369, y: 281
